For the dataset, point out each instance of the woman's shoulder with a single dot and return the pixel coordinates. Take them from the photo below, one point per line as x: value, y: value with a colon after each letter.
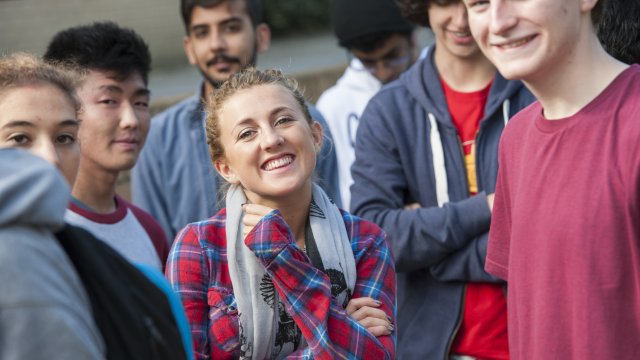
x: 368, y: 240
x: 217, y: 220
x: 209, y: 231
x: 358, y: 227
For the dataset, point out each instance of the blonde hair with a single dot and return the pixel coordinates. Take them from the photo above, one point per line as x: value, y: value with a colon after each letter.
x: 243, y: 80
x: 22, y: 69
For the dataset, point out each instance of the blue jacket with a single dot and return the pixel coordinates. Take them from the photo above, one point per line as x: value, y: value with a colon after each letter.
x: 408, y: 151
x: 174, y: 179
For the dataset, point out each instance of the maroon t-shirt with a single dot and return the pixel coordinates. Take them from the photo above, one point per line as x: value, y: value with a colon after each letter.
x: 565, y: 229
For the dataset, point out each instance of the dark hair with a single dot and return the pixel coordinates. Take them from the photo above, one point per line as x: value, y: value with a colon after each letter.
x: 619, y: 30
x: 252, y: 7
x: 21, y: 69
x: 598, y: 10
x: 417, y: 11
x: 103, y: 46
x: 371, y: 42
x: 365, y: 25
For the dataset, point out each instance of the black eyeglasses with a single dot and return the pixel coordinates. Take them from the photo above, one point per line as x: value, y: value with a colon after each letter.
x: 371, y: 65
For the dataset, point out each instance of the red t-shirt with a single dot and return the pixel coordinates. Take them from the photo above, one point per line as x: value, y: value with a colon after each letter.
x: 565, y: 229
x: 483, y: 329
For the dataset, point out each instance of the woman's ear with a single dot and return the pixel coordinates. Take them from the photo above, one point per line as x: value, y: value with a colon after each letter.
x: 226, y: 172
x: 318, y: 135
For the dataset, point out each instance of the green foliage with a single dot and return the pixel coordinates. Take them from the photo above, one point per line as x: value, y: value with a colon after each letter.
x: 290, y: 17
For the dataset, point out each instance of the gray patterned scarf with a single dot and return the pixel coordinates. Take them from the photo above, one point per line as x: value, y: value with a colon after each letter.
x: 267, y: 331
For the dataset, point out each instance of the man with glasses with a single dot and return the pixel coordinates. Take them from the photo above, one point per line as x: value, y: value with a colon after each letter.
x: 380, y: 47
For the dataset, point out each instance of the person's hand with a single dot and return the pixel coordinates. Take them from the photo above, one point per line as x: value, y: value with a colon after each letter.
x: 490, y: 200
x: 412, y: 206
x: 365, y: 311
x: 252, y: 215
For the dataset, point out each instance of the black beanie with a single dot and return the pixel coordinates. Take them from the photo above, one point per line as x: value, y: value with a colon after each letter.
x: 351, y: 19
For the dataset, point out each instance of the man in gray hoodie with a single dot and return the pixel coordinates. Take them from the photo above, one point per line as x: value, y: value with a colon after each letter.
x: 44, y: 309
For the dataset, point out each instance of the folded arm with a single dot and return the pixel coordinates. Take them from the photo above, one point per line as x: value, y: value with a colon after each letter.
x: 306, y: 291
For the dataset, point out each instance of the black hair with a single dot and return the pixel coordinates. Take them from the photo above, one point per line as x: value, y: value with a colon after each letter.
x: 103, y: 46
x: 619, y: 30
x: 252, y: 7
x: 417, y: 11
x: 598, y: 11
x: 371, y: 42
x: 366, y: 25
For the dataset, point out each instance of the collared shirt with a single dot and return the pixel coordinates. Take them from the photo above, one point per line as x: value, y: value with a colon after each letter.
x: 198, y: 272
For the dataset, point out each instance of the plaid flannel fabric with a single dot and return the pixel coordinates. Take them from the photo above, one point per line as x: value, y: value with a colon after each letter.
x: 198, y: 271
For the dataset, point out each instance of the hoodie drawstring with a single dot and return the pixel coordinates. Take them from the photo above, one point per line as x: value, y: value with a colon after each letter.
x: 437, y: 150
x: 439, y: 169
x: 506, y: 106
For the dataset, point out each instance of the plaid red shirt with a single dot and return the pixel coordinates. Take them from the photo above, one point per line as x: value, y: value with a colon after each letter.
x: 198, y: 272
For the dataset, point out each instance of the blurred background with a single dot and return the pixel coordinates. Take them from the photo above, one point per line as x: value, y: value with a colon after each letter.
x: 303, y: 44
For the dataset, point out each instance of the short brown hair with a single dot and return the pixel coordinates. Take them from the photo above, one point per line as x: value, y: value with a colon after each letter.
x: 245, y: 79
x: 22, y: 69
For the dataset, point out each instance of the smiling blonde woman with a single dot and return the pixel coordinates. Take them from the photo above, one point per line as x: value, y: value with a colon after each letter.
x: 281, y: 271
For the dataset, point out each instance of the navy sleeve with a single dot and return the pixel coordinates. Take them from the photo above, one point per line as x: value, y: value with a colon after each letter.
x: 422, y: 237
x: 327, y: 164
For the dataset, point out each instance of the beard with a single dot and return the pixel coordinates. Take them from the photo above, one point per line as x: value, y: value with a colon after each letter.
x: 216, y: 83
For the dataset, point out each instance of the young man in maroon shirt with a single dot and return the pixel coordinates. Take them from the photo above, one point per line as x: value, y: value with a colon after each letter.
x: 565, y: 229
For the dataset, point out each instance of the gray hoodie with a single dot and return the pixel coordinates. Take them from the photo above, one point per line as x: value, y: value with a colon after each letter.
x: 44, y: 310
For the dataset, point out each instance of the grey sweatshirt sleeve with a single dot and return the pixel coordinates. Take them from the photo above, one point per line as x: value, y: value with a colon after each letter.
x: 44, y: 310
x: 420, y: 238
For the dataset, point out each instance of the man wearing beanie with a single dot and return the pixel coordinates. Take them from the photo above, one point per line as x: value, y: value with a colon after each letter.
x: 380, y: 47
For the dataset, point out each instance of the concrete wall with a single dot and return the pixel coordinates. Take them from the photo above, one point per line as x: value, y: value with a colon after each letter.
x: 28, y: 25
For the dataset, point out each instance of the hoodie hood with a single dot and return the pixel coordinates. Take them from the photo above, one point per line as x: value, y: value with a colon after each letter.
x: 32, y: 191
x: 422, y: 81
